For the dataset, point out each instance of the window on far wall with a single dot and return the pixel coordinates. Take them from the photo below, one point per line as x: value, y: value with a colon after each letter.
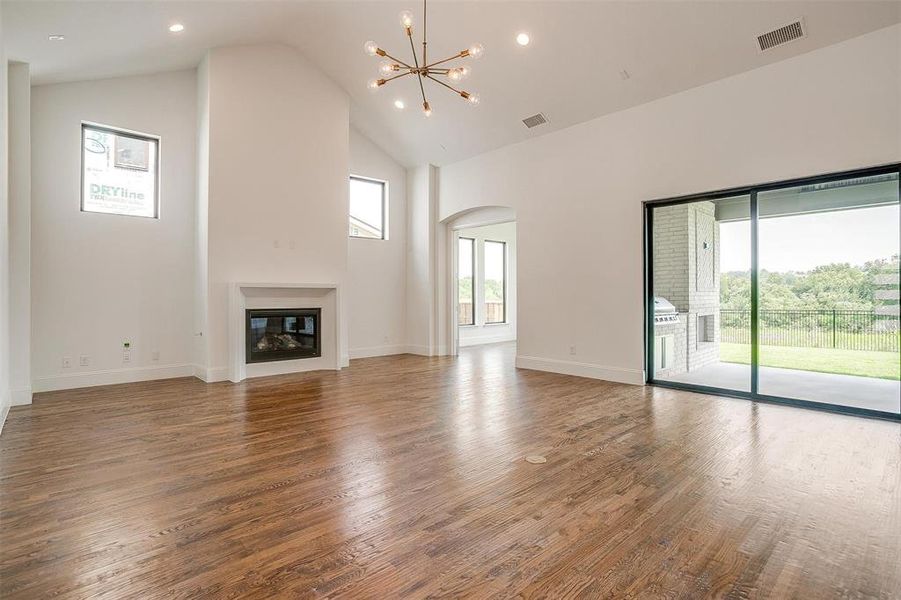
x: 119, y: 172
x: 368, y: 207
x: 495, y: 282
x: 466, y: 262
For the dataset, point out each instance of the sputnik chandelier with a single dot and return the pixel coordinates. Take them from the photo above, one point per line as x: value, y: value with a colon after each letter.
x: 394, y: 68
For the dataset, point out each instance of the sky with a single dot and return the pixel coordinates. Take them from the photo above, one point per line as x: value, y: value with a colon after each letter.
x: 366, y: 201
x: 802, y: 242
x: 494, y: 261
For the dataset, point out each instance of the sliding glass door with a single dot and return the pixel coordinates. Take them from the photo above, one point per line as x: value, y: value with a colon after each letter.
x: 828, y: 265
x: 785, y: 292
x: 702, y: 293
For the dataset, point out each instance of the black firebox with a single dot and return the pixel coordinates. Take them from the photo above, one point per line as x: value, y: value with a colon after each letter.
x: 283, y: 334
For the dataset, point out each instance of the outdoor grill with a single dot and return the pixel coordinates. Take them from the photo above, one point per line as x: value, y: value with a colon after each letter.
x: 664, y: 311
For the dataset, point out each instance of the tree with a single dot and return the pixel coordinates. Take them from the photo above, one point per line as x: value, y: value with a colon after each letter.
x: 838, y: 286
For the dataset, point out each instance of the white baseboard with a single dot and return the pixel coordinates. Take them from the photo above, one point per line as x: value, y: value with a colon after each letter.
x: 377, y: 351
x: 420, y: 350
x: 425, y: 350
x: 210, y: 375
x: 4, y: 408
x: 487, y: 339
x: 593, y: 371
x: 111, y: 376
x: 20, y: 397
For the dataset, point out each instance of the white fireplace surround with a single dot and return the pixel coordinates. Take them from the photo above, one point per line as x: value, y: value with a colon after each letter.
x: 243, y: 296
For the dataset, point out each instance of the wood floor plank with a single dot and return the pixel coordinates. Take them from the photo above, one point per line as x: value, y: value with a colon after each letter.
x: 403, y: 477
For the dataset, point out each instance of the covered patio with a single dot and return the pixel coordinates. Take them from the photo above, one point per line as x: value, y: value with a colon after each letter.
x: 847, y: 390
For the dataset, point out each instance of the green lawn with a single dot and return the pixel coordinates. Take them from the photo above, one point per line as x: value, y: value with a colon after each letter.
x: 884, y: 365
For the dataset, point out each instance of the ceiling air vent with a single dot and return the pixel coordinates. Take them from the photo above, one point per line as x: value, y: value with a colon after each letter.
x: 534, y: 120
x: 783, y: 35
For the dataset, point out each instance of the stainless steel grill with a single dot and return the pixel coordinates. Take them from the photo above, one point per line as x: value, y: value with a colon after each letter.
x: 664, y: 311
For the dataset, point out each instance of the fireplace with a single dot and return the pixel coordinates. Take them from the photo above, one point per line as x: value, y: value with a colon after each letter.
x: 283, y: 334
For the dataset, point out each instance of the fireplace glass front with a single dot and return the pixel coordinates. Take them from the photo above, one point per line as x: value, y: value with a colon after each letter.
x: 283, y: 334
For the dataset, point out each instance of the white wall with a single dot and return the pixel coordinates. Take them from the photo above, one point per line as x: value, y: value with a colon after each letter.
x: 482, y: 333
x: 421, y: 219
x: 99, y: 280
x: 4, y: 237
x: 20, y: 232
x: 278, y: 190
x: 201, y: 351
x: 376, y: 281
x: 578, y: 192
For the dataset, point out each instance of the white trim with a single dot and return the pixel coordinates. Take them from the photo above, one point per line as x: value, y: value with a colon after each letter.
x: 509, y: 336
x: 377, y: 351
x: 110, y: 377
x: 4, y: 408
x: 486, y: 223
x: 237, y: 369
x: 210, y: 375
x: 20, y: 397
x: 4, y: 412
x: 419, y: 350
x: 426, y: 350
x: 590, y: 370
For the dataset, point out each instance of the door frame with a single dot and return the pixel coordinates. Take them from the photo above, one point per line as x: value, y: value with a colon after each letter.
x: 752, y: 191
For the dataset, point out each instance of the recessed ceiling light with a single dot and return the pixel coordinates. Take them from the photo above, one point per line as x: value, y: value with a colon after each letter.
x: 56, y: 37
x: 176, y: 28
x: 523, y: 39
x: 399, y: 104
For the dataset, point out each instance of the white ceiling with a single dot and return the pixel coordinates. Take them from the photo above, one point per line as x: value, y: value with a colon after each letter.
x: 570, y: 72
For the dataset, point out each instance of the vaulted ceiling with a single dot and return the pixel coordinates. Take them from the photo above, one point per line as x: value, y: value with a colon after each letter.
x: 571, y: 71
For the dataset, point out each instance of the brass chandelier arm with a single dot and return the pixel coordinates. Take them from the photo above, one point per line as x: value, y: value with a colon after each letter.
x: 416, y: 62
x: 397, y: 60
x: 425, y: 21
x: 450, y: 87
x: 455, y: 56
x: 397, y: 77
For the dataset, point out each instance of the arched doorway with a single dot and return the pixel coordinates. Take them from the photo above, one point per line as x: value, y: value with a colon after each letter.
x: 481, y: 276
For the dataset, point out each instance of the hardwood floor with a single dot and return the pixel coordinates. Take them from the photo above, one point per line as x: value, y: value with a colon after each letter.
x: 404, y: 477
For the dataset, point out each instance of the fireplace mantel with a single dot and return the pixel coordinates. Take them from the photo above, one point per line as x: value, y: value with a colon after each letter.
x: 330, y: 295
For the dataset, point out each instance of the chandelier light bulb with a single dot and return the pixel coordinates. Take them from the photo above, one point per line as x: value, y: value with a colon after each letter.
x: 386, y: 68
x: 406, y: 19
x: 371, y: 48
x: 426, y: 109
x: 375, y: 84
x: 473, y: 99
x: 476, y: 50
x: 458, y: 73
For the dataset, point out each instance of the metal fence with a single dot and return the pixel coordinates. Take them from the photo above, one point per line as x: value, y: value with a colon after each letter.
x: 845, y: 329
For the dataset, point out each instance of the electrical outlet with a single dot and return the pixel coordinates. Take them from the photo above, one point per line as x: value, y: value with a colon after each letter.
x: 572, y: 350
x: 67, y: 362
x: 126, y: 352
x: 84, y: 361
x: 155, y: 355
